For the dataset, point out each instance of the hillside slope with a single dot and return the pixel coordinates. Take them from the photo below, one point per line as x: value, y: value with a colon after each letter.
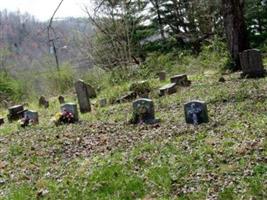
x: 103, y: 157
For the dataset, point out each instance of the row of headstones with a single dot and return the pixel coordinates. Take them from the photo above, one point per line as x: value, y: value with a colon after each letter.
x: 143, y: 112
x: 251, y: 62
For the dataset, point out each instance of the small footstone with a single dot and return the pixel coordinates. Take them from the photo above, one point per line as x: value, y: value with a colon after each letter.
x: 196, y: 112
x: 61, y: 99
x: 102, y: 102
x: 252, y: 64
x: 2, y: 121
x: 168, y: 89
x: 181, y: 80
x: 162, y: 76
x: 43, y: 102
x: 71, y: 108
x: 143, y: 112
x: 222, y: 80
x: 15, y: 113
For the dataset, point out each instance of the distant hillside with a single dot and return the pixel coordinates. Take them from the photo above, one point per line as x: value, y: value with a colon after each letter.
x: 24, y: 42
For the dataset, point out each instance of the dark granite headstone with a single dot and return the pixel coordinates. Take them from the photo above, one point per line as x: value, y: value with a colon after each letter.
x: 83, y: 96
x: 143, y: 112
x: 196, y: 112
x: 252, y: 64
x: 15, y: 113
x: 32, y: 116
x: 71, y: 108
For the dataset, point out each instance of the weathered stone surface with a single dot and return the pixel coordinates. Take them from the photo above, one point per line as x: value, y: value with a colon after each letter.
x: 71, y: 108
x: 102, y: 102
x: 83, y: 96
x: 143, y: 112
x: 141, y: 88
x: 181, y: 80
x: 196, y: 112
x: 15, y: 112
x: 127, y: 97
x: 252, y: 64
x: 43, y: 102
x: 61, y: 99
x: 32, y: 116
x: 168, y: 89
x: 2, y: 121
x: 162, y: 75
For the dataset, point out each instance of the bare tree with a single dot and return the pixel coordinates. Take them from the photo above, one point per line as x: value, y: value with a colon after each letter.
x: 51, y: 34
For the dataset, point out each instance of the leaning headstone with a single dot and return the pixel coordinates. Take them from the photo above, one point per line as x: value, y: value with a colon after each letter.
x: 32, y: 116
x: 181, y: 80
x: 61, y: 99
x: 143, y: 112
x: 252, y: 64
x: 168, y: 89
x: 102, y: 102
x: 43, y: 102
x: 141, y: 88
x: 162, y: 75
x: 2, y: 121
x: 15, y: 113
x: 196, y: 112
x: 71, y: 108
x: 83, y: 96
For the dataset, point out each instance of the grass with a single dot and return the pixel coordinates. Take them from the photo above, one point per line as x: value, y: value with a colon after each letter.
x: 103, y: 157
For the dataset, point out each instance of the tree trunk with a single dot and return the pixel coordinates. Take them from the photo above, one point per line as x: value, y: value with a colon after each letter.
x: 235, y: 29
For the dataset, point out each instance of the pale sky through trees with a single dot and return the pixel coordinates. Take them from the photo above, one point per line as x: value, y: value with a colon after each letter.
x: 43, y: 9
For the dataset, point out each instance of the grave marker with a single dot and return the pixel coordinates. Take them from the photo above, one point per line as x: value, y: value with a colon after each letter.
x: 71, y: 108
x: 181, y: 80
x: 15, y: 113
x: 143, y: 112
x: 252, y: 64
x: 83, y: 96
x: 196, y: 112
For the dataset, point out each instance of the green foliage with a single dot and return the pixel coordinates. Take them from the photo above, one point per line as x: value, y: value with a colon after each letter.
x: 60, y: 81
x: 10, y: 87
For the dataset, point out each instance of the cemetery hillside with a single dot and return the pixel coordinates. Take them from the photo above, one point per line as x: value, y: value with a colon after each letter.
x: 146, y: 100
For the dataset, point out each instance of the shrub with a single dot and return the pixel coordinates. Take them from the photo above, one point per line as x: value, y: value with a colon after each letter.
x: 10, y: 87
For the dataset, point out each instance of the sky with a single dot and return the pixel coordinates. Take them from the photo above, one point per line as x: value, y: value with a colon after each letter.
x: 43, y: 9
